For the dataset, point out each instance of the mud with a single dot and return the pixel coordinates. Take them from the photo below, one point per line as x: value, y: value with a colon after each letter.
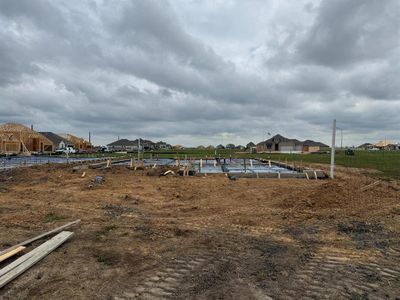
x: 143, y: 236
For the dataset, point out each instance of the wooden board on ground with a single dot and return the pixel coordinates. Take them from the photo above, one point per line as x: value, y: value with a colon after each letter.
x: 11, y: 253
x: 24, y: 243
x: 26, y: 261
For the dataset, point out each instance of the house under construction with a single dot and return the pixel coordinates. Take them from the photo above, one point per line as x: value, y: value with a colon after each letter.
x: 17, y: 138
x: 80, y: 144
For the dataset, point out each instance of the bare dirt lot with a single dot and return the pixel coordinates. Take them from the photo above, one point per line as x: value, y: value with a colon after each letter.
x: 151, y: 237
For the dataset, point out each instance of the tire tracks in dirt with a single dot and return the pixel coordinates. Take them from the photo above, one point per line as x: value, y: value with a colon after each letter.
x: 329, y: 273
x: 336, y: 273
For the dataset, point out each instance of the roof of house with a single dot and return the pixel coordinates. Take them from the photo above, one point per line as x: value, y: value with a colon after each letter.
x: 74, y: 139
x: 23, y: 132
x: 384, y: 143
x: 281, y: 139
x: 251, y: 144
x: 275, y: 139
x: 9, y: 137
x: 55, y: 138
x: 365, y: 145
x: 123, y: 142
x: 143, y: 142
x: 313, y: 143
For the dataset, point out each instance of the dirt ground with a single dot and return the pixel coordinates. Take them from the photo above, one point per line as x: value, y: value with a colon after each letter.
x: 151, y: 237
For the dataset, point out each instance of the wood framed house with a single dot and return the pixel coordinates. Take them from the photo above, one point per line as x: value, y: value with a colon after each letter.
x: 17, y: 138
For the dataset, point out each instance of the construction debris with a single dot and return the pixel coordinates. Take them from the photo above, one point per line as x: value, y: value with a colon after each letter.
x: 11, y: 253
x: 19, y: 266
x: 98, y: 179
x: 169, y: 172
x: 27, y: 242
x: 369, y: 185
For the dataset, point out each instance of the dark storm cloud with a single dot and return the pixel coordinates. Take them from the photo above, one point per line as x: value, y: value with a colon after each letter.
x: 346, y: 32
x: 167, y: 70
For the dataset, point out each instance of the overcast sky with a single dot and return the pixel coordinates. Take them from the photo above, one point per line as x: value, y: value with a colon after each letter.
x: 202, y: 72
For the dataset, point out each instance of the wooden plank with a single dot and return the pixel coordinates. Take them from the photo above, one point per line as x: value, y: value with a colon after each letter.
x: 27, y: 242
x: 16, y: 268
x: 11, y: 253
x: 369, y: 185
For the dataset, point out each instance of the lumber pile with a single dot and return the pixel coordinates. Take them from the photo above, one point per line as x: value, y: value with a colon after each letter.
x: 23, y: 263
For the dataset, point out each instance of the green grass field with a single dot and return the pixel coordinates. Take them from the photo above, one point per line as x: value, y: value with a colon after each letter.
x: 386, y: 162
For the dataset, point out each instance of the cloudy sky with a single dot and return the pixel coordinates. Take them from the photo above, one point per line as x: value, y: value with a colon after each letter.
x: 202, y: 72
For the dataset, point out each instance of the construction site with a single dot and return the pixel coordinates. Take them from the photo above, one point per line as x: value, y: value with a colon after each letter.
x: 199, y: 150
x: 204, y: 228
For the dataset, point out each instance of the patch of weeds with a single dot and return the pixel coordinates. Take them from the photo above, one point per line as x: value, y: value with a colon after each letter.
x: 51, y: 217
x: 181, y: 232
x: 107, y: 258
x: 105, y: 231
x: 115, y: 210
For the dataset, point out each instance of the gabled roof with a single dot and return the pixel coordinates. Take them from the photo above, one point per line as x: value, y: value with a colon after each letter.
x: 313, y: 143
x: 251, y: 144
x: 384, y: 143
x: 123, y: 142
x: 22, y: 132
x: 143, y: 142
x: 55, y: 138
x: 9, y: 137
x: 74, y: 139
x: 365, y: 145
x: 281, y: 139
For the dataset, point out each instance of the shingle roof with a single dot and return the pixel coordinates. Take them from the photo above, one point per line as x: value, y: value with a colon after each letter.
x: 283, y: 139
x: 55, y: 138
x: 123, y: 142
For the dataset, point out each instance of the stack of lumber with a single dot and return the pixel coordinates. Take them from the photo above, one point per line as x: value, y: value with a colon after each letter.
x: 23, y: 263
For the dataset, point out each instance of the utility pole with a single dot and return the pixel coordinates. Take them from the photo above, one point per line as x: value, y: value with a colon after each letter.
x: 333, y: 149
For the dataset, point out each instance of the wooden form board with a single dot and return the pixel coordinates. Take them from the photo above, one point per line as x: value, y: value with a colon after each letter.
x: 11, y: 253
x: 26, y: 261
x: 56, y: 230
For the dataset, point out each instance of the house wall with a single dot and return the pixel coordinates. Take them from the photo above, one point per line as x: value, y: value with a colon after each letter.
x: 311, y: 148
x: 287, y: 148
x: 10, y: 147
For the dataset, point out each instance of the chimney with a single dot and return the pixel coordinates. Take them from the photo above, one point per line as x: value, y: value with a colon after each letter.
x: 31, y: 126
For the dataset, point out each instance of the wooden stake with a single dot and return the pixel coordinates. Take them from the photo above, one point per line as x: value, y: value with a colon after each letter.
x: 132, y: 163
